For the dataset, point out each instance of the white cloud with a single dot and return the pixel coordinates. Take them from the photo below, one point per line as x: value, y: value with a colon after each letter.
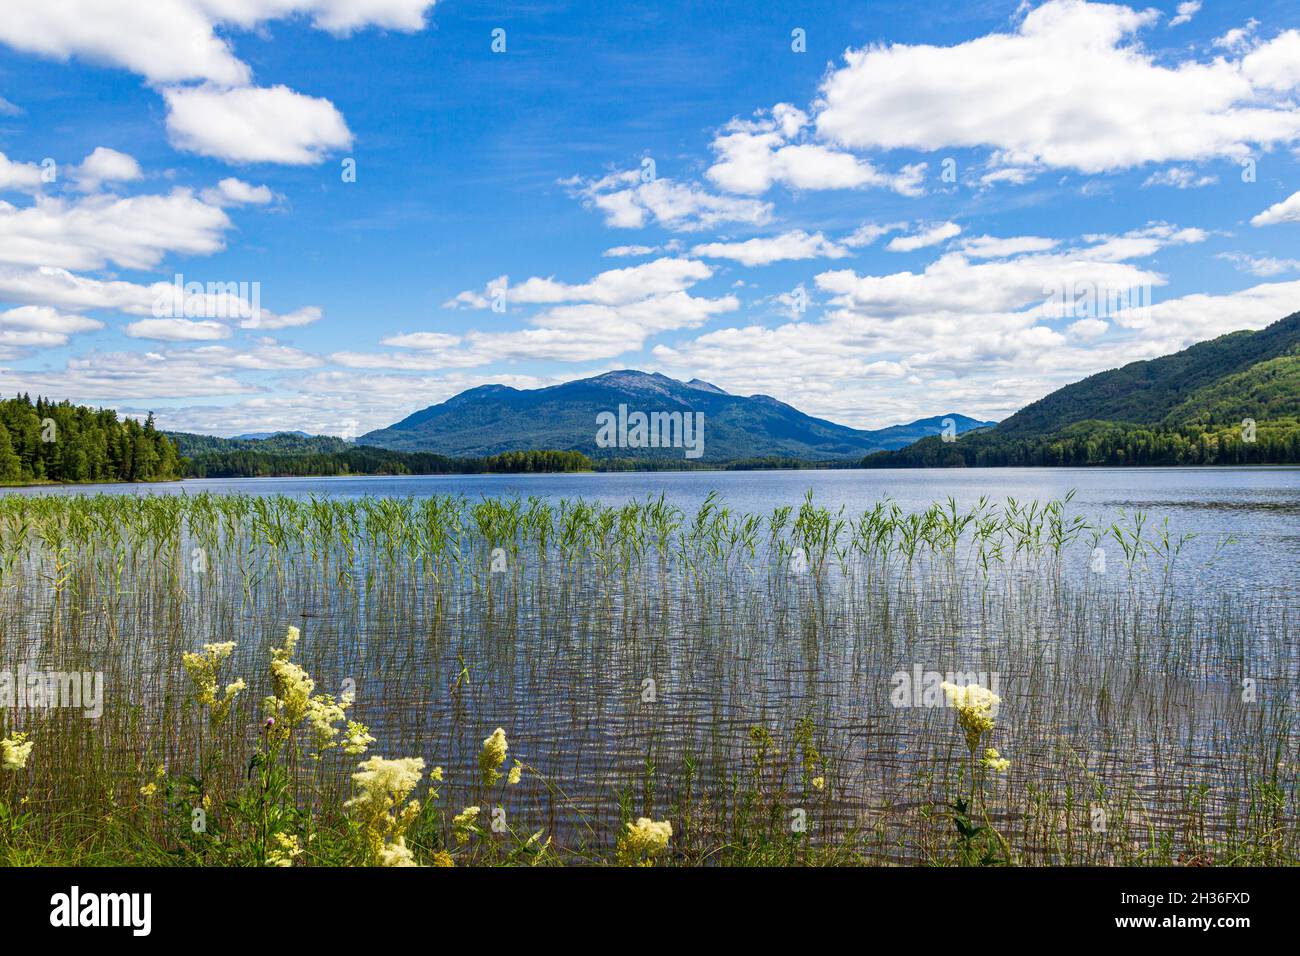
x: 1088, y: 328
x: 930, y: 236
x: 235, y: 192
x: 1238, y: 39
x: 796, y: 244
x: 612, y: 287
x: 1070, y: 89
x: 105, y: 165
x: 227, y: 302
x: 161, y: 373
x: 164, y: 41
x: 869, y: 232
x: 1185, y: 11
x: 177, y: 330
x: 987, y: 336
x: 1180, y: 177
x: 1263, y: 266
x: 1288, y: 210
x: 167, y: 41
x: 1194, y: 318
x: 254, y: 124
x: 1275, y: 65
x: 611, y: 314
x: 753, y: 155
x: 44, y: 319
x: 24, y: 177
x: 269, y: 321
x: 28, y: 327
x: 621, y: 252
x: 628, y: 202
x: 135, y: 232
x: 994, y: 247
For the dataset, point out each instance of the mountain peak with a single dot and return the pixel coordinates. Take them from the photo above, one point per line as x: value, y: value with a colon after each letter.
x: 706, y: 386
x: 492, y: 419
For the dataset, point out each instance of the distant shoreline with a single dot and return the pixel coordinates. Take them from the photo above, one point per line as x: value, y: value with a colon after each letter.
x: 718, y: 468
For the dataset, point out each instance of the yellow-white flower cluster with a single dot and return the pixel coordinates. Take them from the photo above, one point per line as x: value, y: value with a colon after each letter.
x: 995, y: 761
x: 642, y: 841
x: 492, y: 756
x: 975, y: 706
x: 202, y: 669
x: 286, y: 850
x: 293, y: 702
x: 381, y: 805
x: 14, y: 752
x: 463, y: 824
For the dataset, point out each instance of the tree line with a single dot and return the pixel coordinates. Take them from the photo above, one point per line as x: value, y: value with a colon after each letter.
x: 48, y: 441
x: 371, y: 460
x: 1107, y: 443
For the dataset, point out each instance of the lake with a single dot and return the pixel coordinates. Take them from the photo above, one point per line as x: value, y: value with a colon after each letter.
x: 736, y: 678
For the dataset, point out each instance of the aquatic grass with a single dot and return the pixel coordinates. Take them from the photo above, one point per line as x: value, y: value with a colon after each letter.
x: 1122, y: 692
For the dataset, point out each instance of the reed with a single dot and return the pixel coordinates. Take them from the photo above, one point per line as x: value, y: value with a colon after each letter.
x: 733, y: 675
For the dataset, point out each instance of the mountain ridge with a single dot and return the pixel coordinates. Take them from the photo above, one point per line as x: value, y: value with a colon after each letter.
x: 1233, y: 399
x: 493, y: 419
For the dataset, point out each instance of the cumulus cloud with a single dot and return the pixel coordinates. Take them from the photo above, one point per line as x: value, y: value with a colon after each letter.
x: 869, y: 232
x: 1288, y: 210
x: 1180, y: 177
x: 1071, y: 88
x: 629, y: 201
x: 995, y: 247
x: 989, y: 335
x: 929, y: 236
x: 28, y: 327
x: 134, y: 232
x: 197, y: 372
x: 1263, y: 266
x: 752, y: 155
x: 177, y: 330
x: 269, y: 321
x: 613, y: 313
x: 612, y: 287
x: 254, y: 124
x: 23, y: 177
x: 104, y: 165
x: 796, y: 244
x: 1184, y: 12
x: 235, y: 192
x: 167, y: 41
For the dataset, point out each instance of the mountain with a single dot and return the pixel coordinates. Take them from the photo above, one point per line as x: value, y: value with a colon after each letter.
x: 277, y: 443
x: 1190, y: 407
x: 258, y: 436
x: 492, y: 419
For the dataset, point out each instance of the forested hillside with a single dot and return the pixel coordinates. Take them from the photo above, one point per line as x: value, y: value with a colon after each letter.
x: 1234, y: 400
x: 47, y: 441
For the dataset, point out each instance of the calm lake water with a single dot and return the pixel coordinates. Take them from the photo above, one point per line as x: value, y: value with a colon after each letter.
x: 1258, y: 507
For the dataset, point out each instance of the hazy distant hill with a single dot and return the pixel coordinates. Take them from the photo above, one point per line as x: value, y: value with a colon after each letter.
x: 1184, y: 408
x: 492, y: 419
x: 282, y: 443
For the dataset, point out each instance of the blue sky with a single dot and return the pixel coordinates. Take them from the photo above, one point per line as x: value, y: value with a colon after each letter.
x: 873, y: 211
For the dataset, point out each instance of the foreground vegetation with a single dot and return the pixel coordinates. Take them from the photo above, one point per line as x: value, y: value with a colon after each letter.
x: 514, y: 681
